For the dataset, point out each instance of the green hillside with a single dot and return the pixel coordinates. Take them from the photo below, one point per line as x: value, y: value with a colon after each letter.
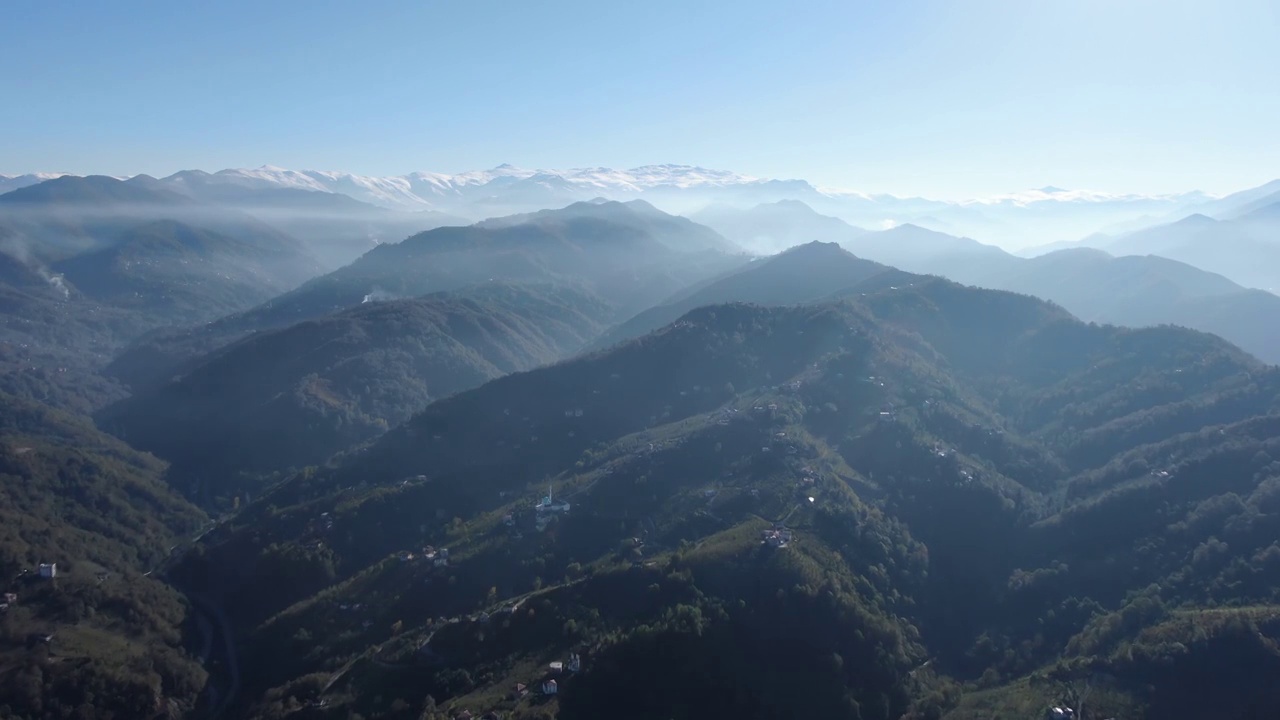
x: 621, y: 255
x: 990, y: 505
x: 101, y: 637
x: 295, y: 396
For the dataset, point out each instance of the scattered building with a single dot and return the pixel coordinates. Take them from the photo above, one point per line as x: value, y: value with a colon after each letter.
x: 519, y: 691
x: 405, y: 556
x: 508, y: 520
x: 575, y: 663
x: 550, y: 687
x: 557, y: 667
x: 549, y: 504
x: 11, y: 598
x: 48, y: 570
x: 777, y: 537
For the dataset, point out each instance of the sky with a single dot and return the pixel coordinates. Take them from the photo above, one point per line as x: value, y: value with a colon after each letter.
x: 941, y: 99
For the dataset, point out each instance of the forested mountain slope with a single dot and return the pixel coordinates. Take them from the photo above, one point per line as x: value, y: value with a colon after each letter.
x: 803, y: 274
x: 295, y: 396
x: 954, y: 468
x: 616, y: 253
x: 90, y: 264
x: 100, y: 637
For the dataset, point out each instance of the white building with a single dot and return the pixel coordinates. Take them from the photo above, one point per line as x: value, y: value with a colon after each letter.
x: 550, y: 504
x: 48, y: 570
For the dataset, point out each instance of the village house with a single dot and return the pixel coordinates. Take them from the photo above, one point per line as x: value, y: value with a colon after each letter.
x: 557, y: 667
x: 520, y: 691
x: 550, y: 687
x: 549, y: 504
x: 778, y: 537
x: 11, y: 598
x: 575, y: 663
x: 464, y: 715
x: 48, y: 570
x: 405, y: 556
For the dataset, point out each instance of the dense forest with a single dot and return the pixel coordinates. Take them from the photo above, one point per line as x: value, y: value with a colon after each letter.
x: 290, y: 397
x: 101, y: 638
x: 922, y: 501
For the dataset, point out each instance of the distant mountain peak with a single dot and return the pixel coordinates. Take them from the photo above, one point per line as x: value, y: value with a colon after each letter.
x: 794, y: 204
x: 1196, y: 219
x: 1050, y: 189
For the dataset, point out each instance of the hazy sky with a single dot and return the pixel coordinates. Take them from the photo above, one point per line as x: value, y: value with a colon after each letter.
x: 946, y: 98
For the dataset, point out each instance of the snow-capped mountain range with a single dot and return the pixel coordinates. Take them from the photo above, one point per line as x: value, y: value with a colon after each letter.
x: 1020, y: 219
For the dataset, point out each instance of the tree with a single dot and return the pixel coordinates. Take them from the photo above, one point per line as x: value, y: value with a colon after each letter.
x: 1071, y: 682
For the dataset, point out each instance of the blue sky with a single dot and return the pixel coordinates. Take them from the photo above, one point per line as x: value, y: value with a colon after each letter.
x: 944, y: 99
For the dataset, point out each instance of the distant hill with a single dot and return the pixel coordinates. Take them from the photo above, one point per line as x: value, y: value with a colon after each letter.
x: 1148, y: 290
x: 295, y: 396
x: 1136, y: 290
x: 9, y: 183
x: 1240, y: 203
x: 94, y: 190
x: 629, y: 264
x: 673, y: 232
x: 187, y: 275
x: 95, y: 262
x: 59, y: 218
x: 772, y: 227
x: 923, y: 500
x: 1246, y: 249
x: 335, y: 227
x: 102, y: 512
x: 916, y: 249
x: 802, y: 274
